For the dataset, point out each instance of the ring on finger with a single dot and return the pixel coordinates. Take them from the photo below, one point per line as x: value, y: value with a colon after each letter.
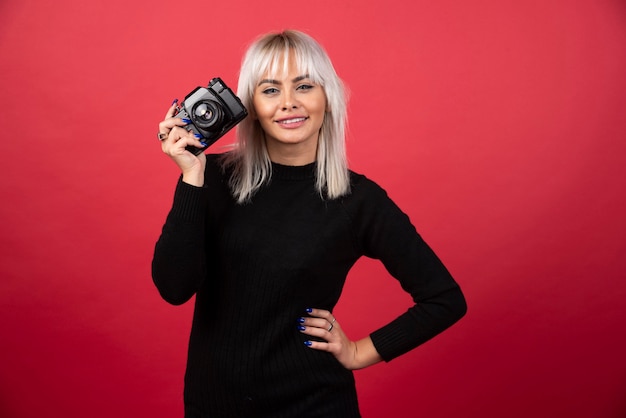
x: 162, y: 136
x: 330, y: 328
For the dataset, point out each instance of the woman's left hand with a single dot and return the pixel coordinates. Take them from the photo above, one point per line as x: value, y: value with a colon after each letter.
x: 351, y: 354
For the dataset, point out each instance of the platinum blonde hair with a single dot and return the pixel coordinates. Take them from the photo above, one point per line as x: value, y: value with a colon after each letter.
x: 249, y: 160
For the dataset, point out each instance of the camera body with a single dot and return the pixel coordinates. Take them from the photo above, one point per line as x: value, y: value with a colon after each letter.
x: 213, y: 112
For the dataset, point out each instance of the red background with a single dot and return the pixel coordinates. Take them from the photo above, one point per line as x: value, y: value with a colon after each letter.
x: 499, y: 126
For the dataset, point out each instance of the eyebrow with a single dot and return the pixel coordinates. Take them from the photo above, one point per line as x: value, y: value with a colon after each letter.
x: 295, y: 80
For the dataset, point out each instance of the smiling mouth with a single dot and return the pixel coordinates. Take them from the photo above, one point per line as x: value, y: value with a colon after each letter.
x: 291, y: 121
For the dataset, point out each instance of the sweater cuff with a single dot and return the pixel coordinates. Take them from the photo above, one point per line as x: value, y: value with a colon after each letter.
x: 190, y: 202
x: 394, y: 339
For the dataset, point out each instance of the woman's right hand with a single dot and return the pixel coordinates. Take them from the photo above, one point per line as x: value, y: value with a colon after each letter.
x: 178, y: 138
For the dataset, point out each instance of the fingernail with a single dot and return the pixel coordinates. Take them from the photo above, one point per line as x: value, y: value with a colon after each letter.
x: 204, y: 144
x: 309, y: 310
x: 301, y: 328
x: 308, y: 343
x: 301, y: 320
x: 198, y: 136
x: 186, y: 120
x: 174, y: 102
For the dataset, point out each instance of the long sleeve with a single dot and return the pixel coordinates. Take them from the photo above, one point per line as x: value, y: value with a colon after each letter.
x: 179, y: 262
x: 384, y: 232
x: 255, y: 268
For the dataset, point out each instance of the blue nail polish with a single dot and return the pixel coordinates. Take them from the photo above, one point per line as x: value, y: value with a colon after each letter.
x: 309, y: 310
x: 198, y: 136
x: 301, y: 320
x: 174, y: 102
x: 204, y: 144
x: 186, y: 120
x: 308, y: 343
x: 301, y: 328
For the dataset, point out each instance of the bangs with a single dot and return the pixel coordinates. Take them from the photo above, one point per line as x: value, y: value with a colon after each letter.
x: 275, y: 57
x: 270, y: 57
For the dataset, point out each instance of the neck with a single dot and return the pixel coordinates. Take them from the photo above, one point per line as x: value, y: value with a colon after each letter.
x: 292, y: 154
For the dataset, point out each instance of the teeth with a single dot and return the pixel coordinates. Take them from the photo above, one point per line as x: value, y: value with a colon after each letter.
x: 288, y: 121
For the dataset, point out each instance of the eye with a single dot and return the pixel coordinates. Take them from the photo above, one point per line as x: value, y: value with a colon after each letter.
x: 270, y: 90
x: 305, y: 87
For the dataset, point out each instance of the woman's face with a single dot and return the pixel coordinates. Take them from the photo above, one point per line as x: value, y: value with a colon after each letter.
x: 290, y: 109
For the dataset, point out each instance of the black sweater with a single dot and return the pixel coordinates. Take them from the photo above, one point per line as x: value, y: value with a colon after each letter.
x: 255, y: 269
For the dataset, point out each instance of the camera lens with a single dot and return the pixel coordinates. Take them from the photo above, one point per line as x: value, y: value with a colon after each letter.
x: 206, y: 113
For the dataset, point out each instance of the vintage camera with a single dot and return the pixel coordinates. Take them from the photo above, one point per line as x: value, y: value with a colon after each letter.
x: 213, y: 111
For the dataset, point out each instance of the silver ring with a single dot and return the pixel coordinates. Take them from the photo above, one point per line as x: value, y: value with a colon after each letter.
x: 330, y: 328
x: 333, y: 321
x: 161, y: 136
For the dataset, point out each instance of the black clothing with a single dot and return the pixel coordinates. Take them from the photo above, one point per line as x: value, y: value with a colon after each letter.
x: 255, y: 268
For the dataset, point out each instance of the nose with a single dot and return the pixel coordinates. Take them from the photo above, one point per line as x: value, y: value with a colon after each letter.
x: 289, y: 100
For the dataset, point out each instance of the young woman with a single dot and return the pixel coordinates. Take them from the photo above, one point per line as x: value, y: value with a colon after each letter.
x: 264, y: 236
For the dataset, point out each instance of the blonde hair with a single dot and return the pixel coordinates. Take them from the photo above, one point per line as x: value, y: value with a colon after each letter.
x: 249, y: 160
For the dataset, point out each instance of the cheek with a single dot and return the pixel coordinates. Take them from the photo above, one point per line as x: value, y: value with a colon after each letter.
x: 322, y: 103
x: 262, y: 116
x: 261, y: 110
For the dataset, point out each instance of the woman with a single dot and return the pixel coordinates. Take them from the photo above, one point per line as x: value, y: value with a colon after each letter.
x: 264, y: 236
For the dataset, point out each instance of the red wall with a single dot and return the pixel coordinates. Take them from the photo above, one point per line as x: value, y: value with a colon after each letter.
x: 499, y: 126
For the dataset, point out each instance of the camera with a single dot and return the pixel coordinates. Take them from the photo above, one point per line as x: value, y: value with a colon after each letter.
x: 213, y: 111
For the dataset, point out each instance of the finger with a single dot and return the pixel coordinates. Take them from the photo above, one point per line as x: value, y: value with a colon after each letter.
x: 170, y: 121
x: 322, y: 313
x: 317, y: 345
x: 165, y: 126
x: 172, y: 110
x: 333, y: 342
x: 320, y: 323
x: 179, y: 138
x: 315, y: 331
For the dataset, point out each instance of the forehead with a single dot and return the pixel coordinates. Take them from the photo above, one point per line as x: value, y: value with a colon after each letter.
x: 286, y: 64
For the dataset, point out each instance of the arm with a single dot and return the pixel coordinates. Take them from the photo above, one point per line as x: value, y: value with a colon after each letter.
x: 384, y: 232
x: 179, y: 261
x: 387, y: 234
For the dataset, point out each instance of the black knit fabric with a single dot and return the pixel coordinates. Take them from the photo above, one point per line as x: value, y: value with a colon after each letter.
x: 256, y: 268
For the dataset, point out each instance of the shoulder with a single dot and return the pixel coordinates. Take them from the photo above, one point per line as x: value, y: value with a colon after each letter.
x: 214, y: 163
x: 216, y: 174
x: 362, y: 188
x: 375, y: 218
x: 219, y: 165
x: 367, y: 198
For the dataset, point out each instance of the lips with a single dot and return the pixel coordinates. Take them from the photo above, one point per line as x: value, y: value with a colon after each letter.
x: 291, y: 121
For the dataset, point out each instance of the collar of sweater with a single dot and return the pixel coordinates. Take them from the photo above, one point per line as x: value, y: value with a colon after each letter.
x: 290, y: 172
